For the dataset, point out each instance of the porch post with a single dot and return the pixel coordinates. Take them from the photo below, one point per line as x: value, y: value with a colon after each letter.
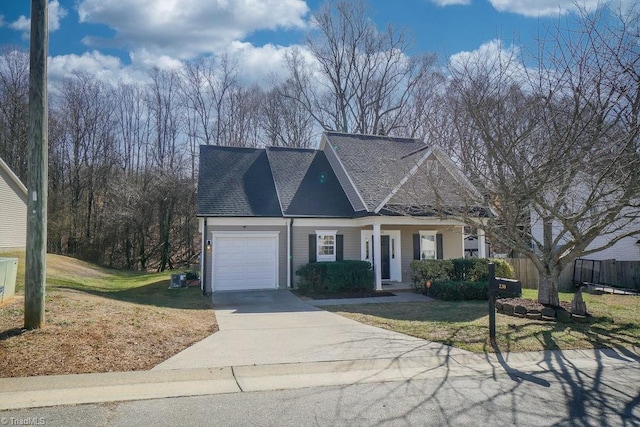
x: 377, y: 256
x: 482, y: 252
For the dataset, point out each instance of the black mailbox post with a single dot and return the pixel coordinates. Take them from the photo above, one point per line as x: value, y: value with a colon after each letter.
x: 499, y: 287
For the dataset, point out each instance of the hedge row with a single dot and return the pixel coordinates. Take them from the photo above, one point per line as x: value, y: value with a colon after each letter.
x: 460, y: 269
x: 457, y: 279
x: 449, y: 290
x: 333, y: 277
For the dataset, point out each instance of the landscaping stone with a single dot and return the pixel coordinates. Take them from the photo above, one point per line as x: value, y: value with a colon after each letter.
x: 508, y: 309
x: 498, y: 305
x: 519, y: 309
x: 534, y: 315
x: 579, y: 318
x: 548, y: 313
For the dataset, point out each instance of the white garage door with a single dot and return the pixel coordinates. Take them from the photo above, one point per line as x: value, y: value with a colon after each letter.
x: 245, y: 261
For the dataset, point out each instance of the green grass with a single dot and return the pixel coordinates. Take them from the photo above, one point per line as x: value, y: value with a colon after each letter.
x: 137, y: 287
x: 615, y: 324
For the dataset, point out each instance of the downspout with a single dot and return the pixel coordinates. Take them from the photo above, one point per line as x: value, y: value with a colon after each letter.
x: 289, y: 254
x: 203, y: 283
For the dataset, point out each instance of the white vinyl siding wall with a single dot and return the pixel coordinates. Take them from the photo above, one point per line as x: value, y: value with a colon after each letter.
x: 13, y: 213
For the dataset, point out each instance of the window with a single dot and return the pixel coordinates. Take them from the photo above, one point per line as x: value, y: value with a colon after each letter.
x: 326, y: 247
x: 427, y: 245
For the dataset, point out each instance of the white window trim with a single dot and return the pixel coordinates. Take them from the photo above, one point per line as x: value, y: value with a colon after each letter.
x: 435, y: 243
x: 326, y: 258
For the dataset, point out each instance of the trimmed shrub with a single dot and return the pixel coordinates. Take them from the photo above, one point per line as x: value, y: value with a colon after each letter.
x: 349, y: 275
x: 449, y: 290
x: 480, y: 270
x: 334, y: 277
x: 312, y: 277
x: 430, y: 269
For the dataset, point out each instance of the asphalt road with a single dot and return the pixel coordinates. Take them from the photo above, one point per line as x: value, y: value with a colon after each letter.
x: 602, y: 397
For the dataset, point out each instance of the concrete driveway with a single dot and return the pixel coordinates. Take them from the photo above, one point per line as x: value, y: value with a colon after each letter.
x: 274, y: 327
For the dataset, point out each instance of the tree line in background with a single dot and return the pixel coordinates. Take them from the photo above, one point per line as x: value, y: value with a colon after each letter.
x: 550, y: 138
x: 123, y: 156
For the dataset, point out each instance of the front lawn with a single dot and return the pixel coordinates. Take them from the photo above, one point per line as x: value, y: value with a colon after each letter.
x: 101, y: 320
x: 615, y: 323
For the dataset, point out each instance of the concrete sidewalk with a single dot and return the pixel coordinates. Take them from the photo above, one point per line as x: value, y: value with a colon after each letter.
x: 31, y: 392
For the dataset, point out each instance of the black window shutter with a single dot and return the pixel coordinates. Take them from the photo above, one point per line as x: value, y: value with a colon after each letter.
x: 439, y: 248
x: 339, y: 247
x: 416, y: 246
x: 313, y: 244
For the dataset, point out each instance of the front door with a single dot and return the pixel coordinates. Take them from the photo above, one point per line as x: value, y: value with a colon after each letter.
x: 390, y: 255
x: 385, y: 261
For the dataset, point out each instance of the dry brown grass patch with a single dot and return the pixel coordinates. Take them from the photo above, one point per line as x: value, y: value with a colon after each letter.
x: 93, y: 333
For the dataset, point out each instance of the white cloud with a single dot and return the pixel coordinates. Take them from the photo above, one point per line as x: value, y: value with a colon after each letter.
x: 450, y: 2
x: 104, y: 67
x: 543, y: 7
x: 259, y: 64
x: 185, y: 28
x: 55, y: 13
x: 144, y: 59
x: 21, y: 24
x: 492, y: 57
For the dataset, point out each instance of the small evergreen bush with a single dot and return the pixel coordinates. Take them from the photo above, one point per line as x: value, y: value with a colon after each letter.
x: 335, y: 277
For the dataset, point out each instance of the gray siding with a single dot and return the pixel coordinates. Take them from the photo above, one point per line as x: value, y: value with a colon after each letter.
x: 300, y: 250
x: 282, y: 247
x: 13, y: 213
x: 342, y: 176
x: 451, y: 241
x: 451, y: 244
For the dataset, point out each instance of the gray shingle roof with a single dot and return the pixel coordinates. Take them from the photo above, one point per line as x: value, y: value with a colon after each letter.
x: 268, y: 182
x: 320, y: 193
x: 376, y: 164
x: 276, y: 182
x: 236, y: 182
x: 289, y: 167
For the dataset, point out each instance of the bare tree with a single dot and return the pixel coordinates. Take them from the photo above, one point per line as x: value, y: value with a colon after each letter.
x: 359, y: 79
x: 14, y: 100
x: 553, y: 149
x: 283, y: 120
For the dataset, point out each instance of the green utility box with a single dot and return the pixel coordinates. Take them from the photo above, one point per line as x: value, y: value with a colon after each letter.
x: 8, y: 272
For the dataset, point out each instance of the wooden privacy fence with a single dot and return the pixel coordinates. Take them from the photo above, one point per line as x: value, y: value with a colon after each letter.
x: 525, y: 271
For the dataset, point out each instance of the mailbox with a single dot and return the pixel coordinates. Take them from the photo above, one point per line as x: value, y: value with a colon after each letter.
x: 505, y: 287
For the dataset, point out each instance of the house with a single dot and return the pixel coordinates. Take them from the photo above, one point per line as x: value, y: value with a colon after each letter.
x: 13, y: 210
x: 263, y: 213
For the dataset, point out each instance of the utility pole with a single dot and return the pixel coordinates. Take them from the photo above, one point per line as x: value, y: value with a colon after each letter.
x: 35, y: 263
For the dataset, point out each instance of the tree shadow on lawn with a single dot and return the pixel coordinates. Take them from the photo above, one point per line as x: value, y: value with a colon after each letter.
x: 597, y: 333
x: 156, y: 294
x: 454, y: 312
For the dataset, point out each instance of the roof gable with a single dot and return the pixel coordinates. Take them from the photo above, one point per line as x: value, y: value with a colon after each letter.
x: 236, y: 182
x: 436, y: 186
x: 289, y: 167
x: 376, y: 165
x: 320, y: 192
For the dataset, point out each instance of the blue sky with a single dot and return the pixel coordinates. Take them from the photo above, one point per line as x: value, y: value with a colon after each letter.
x: 121, y: 38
